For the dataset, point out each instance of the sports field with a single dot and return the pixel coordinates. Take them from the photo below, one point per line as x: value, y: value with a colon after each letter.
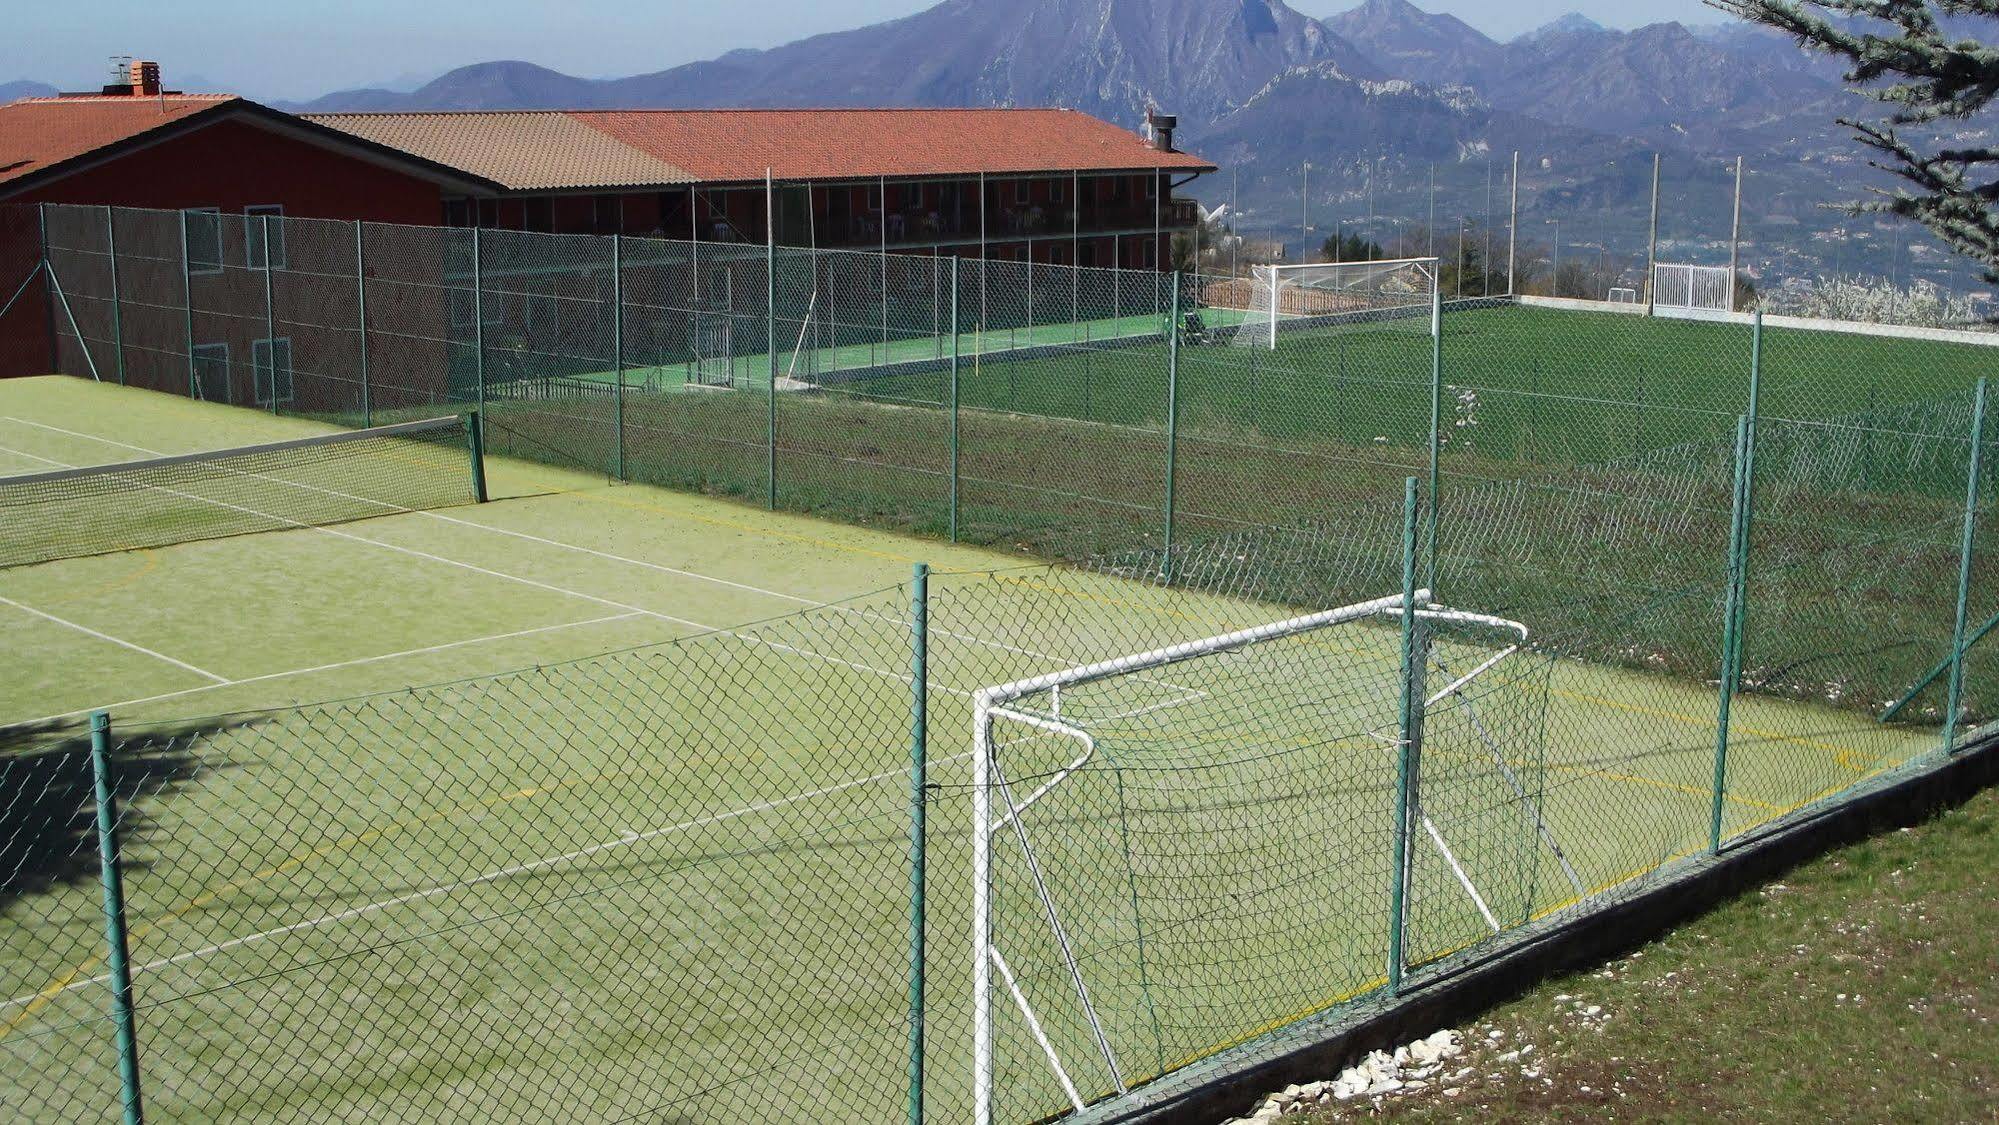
x: 674, y: 881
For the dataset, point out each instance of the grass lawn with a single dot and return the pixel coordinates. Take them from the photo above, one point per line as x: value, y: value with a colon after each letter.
x: 1861, y: 987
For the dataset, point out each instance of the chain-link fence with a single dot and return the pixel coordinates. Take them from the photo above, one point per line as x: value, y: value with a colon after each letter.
x: 681, y: 881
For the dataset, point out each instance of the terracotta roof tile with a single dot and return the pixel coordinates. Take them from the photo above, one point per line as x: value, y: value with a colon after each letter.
x: 544, y: 150
x: 525, y: 151
x: 38, y: 133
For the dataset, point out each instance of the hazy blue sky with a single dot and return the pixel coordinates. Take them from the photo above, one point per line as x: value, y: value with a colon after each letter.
x: 297, y: 50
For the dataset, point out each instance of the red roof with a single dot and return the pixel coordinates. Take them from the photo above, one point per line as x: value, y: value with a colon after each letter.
x: 737, y: 146
x: 38, y: 133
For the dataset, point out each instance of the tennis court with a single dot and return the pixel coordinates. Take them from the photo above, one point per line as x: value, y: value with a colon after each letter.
x: 558, y: 565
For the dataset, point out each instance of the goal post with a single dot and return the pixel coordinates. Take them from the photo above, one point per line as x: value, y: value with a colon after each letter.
x: 1276, y: 300
x: 1116, y: 803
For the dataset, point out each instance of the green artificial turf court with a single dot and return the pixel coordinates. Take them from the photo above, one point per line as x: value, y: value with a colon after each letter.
x: 673, y: 880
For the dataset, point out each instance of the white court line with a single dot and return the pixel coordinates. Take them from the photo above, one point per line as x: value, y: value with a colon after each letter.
x: 339, y: 664
x: 476, y: 880
x: 203, y: 672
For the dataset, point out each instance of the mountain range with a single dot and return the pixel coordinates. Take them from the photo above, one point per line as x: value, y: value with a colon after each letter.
x: 1378, y: 95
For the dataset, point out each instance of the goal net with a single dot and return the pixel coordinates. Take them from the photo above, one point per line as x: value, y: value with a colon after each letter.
x: 1280, y: 300
x: 1178, y: 851
x: 1706, y: 288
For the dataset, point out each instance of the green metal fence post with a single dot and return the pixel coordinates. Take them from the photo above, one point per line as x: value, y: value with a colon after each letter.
x: 955, y: 435
x: 1436, y: 423
x: 618, y: 345
x: 1731, y: 636
x: 1409, y: 724
x: 48, y: 286
x: 475, y: 446
x: 117, y: 315
x: 116, y: 955
x: 1955, y: 696
x: 1172, y: 425
x: 770, y: 343
x: 361, y: 318
x: 187, y: 308
x: 479, y: 324
x: 270, y: 317
x: 919, y: 786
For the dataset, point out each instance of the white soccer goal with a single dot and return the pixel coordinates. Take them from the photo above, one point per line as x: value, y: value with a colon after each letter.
x: 1279, y: 299
x: 1177, y: 850
x: 1622, y: 295
x: 1705, y: 288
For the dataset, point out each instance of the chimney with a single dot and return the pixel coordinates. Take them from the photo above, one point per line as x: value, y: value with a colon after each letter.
x: 1161, y: 126
x: 145, y: 78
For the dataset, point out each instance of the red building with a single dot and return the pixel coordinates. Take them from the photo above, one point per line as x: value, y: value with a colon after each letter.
x: 1043, y: 185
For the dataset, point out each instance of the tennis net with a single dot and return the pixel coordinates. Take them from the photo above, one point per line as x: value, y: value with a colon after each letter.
x: 308, y: 482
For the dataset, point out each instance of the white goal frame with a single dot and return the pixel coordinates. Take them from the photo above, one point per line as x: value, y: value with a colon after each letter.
x: 1622, y: 295
x: 1682, y: 285
x: 989, y: 780
x: 1271, y: 278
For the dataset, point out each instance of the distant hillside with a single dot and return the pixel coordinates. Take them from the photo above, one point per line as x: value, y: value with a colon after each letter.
x: 15, y: 91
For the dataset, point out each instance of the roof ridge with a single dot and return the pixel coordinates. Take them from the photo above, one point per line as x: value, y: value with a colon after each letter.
x: 689, y: 110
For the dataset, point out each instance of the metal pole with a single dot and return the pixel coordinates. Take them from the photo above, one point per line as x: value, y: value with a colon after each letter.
x: 1172, y: 423
x: 1731, y: 634
x: 270, y: 314
x: 1735, y: 240
x: 361, y: 317
x: 478, y: 327
x: 1436, y: 423
x: 1652, y: 247
x: 882, y: 186
x: 1409, y: 736
x: 187, y: 308
x: 116, y: 954
x: 1955, y: 697
x: 955, y: 332
x: 770, y: 342
x: 1235, y: 230
x: 48, y: 286
x: 919, y: 785
x: 117, y: 316
x: 475, y: 449
x: 1433, y: 211
x: 618, y: 346
x: 1305, y: 214
x: 1513, y: 229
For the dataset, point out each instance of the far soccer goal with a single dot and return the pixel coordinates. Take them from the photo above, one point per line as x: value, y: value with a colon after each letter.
x: 1277, y: 300
x: 1705, y: 288
x: 1622, y: 295
x: 1177, y: 851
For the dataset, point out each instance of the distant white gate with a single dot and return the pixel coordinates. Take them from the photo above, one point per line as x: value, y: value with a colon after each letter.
x: 1709, y: 288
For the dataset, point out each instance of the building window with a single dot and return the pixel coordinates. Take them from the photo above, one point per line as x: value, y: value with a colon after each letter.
x: 1149, y: 256
x: 1055, y: 190
x: 272, y: 362
x: 610, y: 217
x: 457, y: 213
x: 538, y: 214
x: 202, y: 239
x: 257, y: 221
x: 211, y: 372
x: 1057, y: 253
x: 1115, y: 188
x: 1151, y: 187
x: 1023, y: 192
